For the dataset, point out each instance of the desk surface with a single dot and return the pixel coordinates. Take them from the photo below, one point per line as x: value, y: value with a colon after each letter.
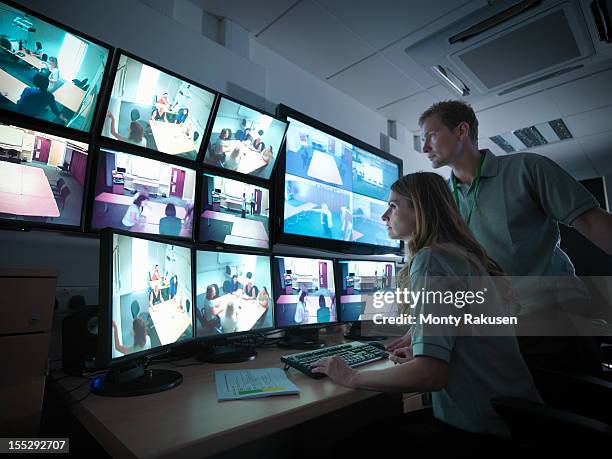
x: 25, y: 190
x: 153, y: 211
x: 70, y: 96
x: 171, y: 138
x: 170, y: 320
x: 11, y: 86
x: 189, y: 422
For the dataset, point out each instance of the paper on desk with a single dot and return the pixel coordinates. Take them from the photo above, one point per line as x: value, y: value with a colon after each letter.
x: 260, y: 382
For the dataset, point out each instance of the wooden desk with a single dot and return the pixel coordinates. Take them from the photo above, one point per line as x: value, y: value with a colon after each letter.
x: 11, y: 87
x: 188, y: 421
x: 25, y: 190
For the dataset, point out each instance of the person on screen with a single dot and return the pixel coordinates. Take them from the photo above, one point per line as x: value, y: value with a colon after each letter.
x: 156, y: 276
x: 38, y: 51
x: 232, y: 162
x: 252, y: 203
x: 210, y: 312
x: 243, y: 206
x: 245, y: 135
x: 301, y: 313
x: 267, y: 154
x: 173, y: 286
x: 133, y: 215
x: 142, y: 341
x: 258, y: 144
x: 220, y: 147
x: 235, y: 285
x: 170, y: 225
x: 155, y: 297
x: 230, y: 320
x: 464, y: 368
x: 159, y: 113
x: 264, y: 298
x: 54, y: 74
x: 326, y: 220
x: 250, y: 290
x: 347, y: 223
x: 33, y: 101
x: 135, y: 132
x: 323, y: 313
x: 181, y: 117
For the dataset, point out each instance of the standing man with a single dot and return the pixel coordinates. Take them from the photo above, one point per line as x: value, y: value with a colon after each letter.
x: 513, y: 205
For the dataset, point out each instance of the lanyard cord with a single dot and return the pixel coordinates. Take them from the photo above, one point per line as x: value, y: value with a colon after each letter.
x: 475, y: 194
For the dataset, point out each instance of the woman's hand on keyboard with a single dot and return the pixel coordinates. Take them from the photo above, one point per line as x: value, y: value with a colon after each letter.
x: 404, y: 341
x: 336, y: 369
x: 402, y: 355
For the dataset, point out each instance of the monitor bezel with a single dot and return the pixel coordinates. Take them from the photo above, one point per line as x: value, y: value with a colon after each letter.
x: 104, y: 85
x: 60, y: 227
x: 339, y: 282
x: 199, y: 247
x: 226, y: 172
x: 104, y: 353
x: 304, y: 326
x: 200, y: 208
x: 349, y: 247
x: 144, y: 151
x: 91, y: 195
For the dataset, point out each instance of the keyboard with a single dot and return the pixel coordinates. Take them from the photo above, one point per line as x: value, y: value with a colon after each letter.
x: 354, y: 354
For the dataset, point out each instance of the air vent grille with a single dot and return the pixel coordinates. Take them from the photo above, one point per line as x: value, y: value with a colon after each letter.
x: 532, y: 136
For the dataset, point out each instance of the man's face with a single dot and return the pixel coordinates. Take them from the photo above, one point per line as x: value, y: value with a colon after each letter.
x: 399, y: 217
x: 441, y: 145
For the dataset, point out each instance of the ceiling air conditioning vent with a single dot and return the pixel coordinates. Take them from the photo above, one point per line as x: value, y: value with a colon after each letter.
x: 532, y: 136
x: 493, y: 21
x: 601, y: 15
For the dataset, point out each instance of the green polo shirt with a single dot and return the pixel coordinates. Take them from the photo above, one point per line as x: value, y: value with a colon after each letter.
x: 520, y: 201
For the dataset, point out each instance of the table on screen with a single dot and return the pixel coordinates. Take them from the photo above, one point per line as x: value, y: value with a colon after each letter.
x: 11, y: 87
x: 248, y: 311
x: 171, y: 138
x: 70, y: 96
x: 244, y: 231
x: 25, y: 190
x: 250, y: 159
x: 153, y: 211
x: 170, y: 320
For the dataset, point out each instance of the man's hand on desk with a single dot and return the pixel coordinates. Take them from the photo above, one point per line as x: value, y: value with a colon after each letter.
x: 404, y: 341
x: 336, y: 369
x: 402, y: 355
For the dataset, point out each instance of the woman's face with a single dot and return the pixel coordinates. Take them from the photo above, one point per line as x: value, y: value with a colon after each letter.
x: 399, y: 217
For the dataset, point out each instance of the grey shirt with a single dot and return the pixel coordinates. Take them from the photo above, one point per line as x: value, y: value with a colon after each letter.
x: 521, y: 199
x: 479, y: 367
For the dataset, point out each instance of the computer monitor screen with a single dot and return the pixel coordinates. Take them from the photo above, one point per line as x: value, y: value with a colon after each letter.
x: 149, y: 197
x: 304, y: 291
x: 234, y: 212
x: 244, y: 140
x: 335, y: 190
x: 47, y: 72
x: 151, y: 295
x: 153, y: 109
x: 360, y: 281
x: 42, y: 177
x: 233, y: 293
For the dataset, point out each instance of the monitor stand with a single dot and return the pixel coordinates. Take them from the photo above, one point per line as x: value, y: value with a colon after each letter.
x: 355, y: 333
x: 133, y: 379
x: 225, y: 353
x: 301, y: 338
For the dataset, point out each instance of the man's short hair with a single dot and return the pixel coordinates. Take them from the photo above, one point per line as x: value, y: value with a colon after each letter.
x: 451, y: 113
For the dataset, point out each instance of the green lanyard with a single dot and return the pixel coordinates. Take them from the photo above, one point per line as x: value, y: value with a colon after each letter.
x: 476, y: 188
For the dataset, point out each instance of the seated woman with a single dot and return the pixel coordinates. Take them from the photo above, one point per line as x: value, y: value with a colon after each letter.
x: 301, y: 313
x: 133, y: 215
x: 233, y: 161
x: 323, y: 313
x: 463, y: 371
x: 230, y: 320
x: 136, y: 134
x: 210, y: 312
x: 170, y: 225
x: 264, y: 298
x: 217, y: 151
x: 142, y: 341
x: 181, y: 117
x: 155, y: 297
x: 266, y: 155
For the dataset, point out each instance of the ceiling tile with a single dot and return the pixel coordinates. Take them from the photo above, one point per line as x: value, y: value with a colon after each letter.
x: 374, y: 82
x: 591, y: 122
x: 584, y: 94
x: 253, y: 16
x: 598, y: 149
x: 385, y: 21
x: 570, y: 155
x: 408, y: 110
x: 315, y: 40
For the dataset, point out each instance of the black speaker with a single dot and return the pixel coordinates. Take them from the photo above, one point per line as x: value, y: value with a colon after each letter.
x: 80, y: 340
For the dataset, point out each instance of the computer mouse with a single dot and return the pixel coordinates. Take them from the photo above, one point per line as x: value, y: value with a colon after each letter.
x: 378, y: 344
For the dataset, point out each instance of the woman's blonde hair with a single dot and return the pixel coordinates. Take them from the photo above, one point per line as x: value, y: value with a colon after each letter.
x: 438, y: 222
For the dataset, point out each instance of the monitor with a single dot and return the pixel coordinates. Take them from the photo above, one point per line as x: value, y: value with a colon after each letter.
x: 48, y: 71
x: 152, y: 108
x: 234, y: 212
x: 233, y: 293
x: 244, y: 140
x: 142, y: 195
x: 336, y: 187
x: 42, y: 177
x: 146, y: 299
x: 360, y: 280
x: 304, y: 291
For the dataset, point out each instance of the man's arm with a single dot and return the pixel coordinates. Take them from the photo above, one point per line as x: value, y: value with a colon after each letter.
x: 596, y: 225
